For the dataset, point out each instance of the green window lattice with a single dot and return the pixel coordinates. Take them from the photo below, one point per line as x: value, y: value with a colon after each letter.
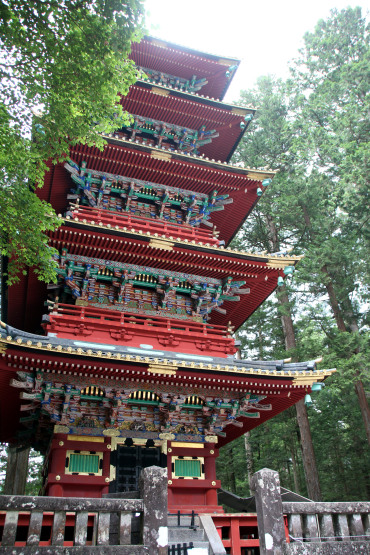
x: 84, y: 463
x: 188, y: 468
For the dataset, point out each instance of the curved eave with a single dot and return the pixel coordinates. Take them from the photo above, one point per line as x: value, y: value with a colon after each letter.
x: 187, y: 110
x: 158, y: 166
x: 271, y: 260
x: 185, y: 62
x: 60, y: 357
x: 259, y: 271
x: 203, y: 161
x: 198, y: 98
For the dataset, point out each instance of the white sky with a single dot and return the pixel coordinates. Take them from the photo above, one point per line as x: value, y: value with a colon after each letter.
x: 263, y: 34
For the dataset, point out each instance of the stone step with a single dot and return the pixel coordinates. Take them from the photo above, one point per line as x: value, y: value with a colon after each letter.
x: 178, y: 535
x: 185, y: 520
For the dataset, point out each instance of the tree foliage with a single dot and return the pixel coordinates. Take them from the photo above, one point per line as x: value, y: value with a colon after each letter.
x: 313, y: 128
x: 62, y: 68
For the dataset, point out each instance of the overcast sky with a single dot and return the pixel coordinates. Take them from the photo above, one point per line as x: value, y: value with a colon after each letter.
x: 264, y: 34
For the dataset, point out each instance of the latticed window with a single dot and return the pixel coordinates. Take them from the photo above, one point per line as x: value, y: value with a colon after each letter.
x: 188, y: 467
x: 84, y: 462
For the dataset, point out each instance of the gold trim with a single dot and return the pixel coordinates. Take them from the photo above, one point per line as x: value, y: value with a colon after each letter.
x: 59, y: 429
x: 162, y: 369
x: 160, y: 155
x: 190, y: 445
x: 161, y: 244
x: 111, y: 432
x: 2, y: 347
x: 239, y: 111
x: 112, y: 473
x: 280, y: 261
x: 167, y: 436
x: 139, y: 441
x: 158, y: 42
x: 211, y: 439
x: 275, y: 265
x: 170, y: 368
x: 262, y: 174
x: 311, y: 378
x: 85, y: 438
x: 161, y: 92
x: 226, y: 61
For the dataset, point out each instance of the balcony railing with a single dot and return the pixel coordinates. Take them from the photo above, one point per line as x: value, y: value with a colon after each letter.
x: 127, y: 222
x: 131, y: 329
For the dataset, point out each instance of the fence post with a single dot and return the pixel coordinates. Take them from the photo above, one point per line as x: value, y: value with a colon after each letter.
x: 153, y: 492
x: 269, y: 508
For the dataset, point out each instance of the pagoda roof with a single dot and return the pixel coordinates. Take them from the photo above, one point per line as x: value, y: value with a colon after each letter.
x: 259, y: 271
x: 190, y: 111
x: 167, y: 168
x: 281, y: 383
x: 185, y: 62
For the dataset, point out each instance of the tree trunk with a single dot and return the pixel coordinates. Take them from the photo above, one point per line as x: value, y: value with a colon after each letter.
x: 352, y: 328
x: 333, y: 301
x: 232, y: 472
x: 16, y: 471
x: 364, y: 406
x: 308, y: 453
x: 297, y: 485
x: 248, y: 458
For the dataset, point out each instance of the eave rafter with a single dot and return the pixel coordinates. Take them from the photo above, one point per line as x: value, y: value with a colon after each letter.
x: 57, y: 355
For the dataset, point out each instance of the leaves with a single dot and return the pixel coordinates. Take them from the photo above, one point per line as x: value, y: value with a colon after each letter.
x: 314, y: 130
x: 63, y: 66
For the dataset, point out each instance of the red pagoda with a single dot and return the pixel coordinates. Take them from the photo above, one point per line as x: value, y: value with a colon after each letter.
x: 129, y: 360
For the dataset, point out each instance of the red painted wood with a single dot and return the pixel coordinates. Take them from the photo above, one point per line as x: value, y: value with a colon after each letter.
x: 190, y: 113
x: 133, y: 160
x: 237, y: 526
x: 184, y: 62
x: 235, y: 537
x: 123, y: 221
x: 118, y: 328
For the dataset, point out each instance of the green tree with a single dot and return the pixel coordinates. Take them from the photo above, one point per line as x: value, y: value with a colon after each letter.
x: 272, y: 227
x: 330, y: 86
x: 62, y: 68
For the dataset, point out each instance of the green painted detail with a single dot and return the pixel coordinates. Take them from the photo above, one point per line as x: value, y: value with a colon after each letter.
x: 84, y: 463
x: 188, y: 468
x: 142, y: 402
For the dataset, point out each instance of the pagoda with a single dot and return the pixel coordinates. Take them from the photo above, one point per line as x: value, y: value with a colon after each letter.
x: 130, y: 359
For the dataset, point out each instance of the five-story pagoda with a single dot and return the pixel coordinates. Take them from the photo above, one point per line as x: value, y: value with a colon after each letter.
x: 136, y: 365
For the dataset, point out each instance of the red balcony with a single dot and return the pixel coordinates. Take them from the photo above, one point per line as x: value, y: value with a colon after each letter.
x: 133, y: 330
x: 124, y: 221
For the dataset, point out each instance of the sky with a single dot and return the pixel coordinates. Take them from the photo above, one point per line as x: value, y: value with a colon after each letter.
x: 264, y: 34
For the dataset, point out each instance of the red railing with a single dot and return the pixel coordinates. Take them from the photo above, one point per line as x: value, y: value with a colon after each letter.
x: 126, y: 326
x: 239, y: 531
x: 122, y: 220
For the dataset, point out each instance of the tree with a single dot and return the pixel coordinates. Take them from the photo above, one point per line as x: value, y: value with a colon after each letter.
x: 314, y: 129
x: 26, y: 464
x: 330, y: 84
x: 62, y: 68
x: 270, y: 143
